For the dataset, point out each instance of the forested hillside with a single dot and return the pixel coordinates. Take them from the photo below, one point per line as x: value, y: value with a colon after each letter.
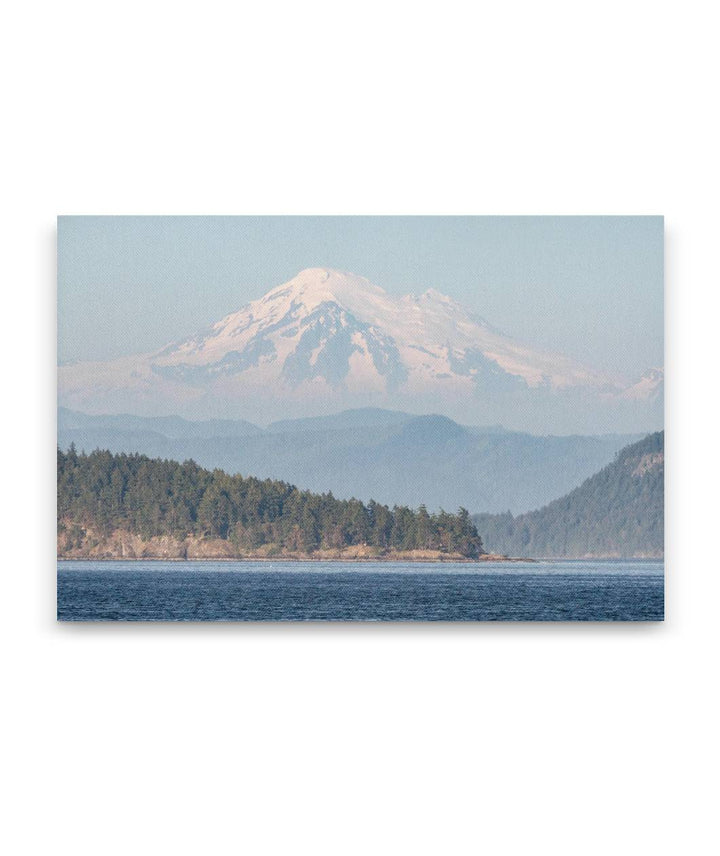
x: 102, y: 494
x: 616, y: 513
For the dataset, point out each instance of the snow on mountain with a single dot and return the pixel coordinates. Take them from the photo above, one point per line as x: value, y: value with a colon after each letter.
x: 648, y: 388
x: 335, y: 340
x: 341, y: 328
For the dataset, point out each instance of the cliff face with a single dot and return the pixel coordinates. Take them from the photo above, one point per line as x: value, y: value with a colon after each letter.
x: 79, y: 542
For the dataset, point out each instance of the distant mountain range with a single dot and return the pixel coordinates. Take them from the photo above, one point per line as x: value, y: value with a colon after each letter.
x: 327, y: 341
x: 390, y: 456
x: 617, y: 512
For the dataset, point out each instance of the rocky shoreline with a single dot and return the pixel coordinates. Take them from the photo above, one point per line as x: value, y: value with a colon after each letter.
x: 126, y: 546
x: 320, y: 556
x: 402, y: 557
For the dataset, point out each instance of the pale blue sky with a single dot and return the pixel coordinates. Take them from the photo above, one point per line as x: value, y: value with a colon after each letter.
x: 589, y: 287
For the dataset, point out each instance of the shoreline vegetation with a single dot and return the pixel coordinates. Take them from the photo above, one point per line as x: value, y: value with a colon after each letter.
x: 128, y: 506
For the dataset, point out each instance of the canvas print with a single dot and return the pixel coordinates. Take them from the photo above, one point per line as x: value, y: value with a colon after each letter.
x: 360, y: 418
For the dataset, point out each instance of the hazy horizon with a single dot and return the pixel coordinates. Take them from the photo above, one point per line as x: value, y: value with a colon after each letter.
x: 265, y: 425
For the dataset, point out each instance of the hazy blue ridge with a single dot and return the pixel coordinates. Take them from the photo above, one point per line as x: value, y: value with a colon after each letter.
x: 390, y: 456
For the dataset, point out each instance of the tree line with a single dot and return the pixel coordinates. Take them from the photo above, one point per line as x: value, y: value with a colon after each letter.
x: 152, y: 497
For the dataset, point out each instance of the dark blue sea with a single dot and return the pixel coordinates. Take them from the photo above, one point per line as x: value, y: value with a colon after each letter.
x: 367, y: 591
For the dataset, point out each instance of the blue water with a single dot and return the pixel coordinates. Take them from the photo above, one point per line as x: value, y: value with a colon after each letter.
x: 367, y: 591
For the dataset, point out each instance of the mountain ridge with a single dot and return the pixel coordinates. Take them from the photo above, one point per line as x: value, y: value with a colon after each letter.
x: 395, y: 457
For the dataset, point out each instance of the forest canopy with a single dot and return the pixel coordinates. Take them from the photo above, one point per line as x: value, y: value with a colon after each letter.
x: 153, y: 497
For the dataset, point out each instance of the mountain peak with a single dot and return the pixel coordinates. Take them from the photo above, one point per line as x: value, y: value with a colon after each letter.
x: 328, y: 278
x: 329, y: 336
x: 313, y: 278
x: 316, y: 285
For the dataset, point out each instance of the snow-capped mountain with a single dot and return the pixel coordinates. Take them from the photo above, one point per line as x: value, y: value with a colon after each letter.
x: 326, y: 340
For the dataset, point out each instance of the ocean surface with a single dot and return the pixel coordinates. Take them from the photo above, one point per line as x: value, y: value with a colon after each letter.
x: 614, y: 590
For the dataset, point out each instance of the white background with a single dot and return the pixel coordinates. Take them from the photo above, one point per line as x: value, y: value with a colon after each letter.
x: 359, y: 739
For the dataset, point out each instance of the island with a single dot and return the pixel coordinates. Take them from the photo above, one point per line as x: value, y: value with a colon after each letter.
x: 130, y: 506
